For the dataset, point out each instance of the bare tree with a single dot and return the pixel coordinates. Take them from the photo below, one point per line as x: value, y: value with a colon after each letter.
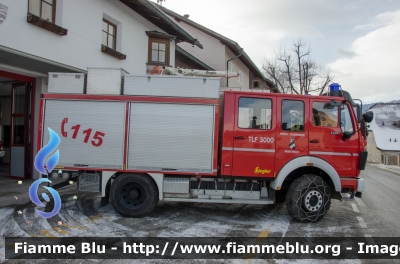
x: 295, y: 71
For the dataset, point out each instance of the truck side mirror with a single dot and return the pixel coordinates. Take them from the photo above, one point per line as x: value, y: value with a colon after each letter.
x: 346, y: 135
x: 368, y: 116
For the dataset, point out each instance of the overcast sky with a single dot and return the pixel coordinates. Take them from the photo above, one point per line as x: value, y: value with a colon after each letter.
x: 358, y: 40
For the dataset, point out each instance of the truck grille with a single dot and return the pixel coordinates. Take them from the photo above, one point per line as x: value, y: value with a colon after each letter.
x: 89, y: 182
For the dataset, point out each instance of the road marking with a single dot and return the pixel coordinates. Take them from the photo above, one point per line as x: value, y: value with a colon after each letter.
x: 259, y: 240
x: 59, y: 230
x: 263, y: 235
x: 93, y: 218
x: 355, y: 208
x: 362, y: 222
x: 360, y: 202
x: 370, y: 240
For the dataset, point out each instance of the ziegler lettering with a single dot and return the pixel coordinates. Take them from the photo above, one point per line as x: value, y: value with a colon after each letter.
x: 97, y: 137
x: 257, y: 170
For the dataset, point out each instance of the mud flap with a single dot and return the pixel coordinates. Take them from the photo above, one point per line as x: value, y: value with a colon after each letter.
x: 106, y: 199
x: 336, y: 196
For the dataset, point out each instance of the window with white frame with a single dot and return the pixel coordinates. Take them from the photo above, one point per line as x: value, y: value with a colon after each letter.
x: 233, y: 68
x: 240, y: 78
x: 109, y: 38
x: 45, y: 9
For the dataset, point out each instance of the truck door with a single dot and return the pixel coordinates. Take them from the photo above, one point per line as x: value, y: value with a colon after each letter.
x: 254, y: 136
x: 326, y: 136
x: 292, y: 130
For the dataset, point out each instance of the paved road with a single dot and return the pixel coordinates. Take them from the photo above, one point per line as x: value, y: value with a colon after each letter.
x: 381, y: 211
x: 375, y: 215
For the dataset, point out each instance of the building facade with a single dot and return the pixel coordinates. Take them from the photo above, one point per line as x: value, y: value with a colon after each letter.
x: 222, y: 54
x: 42, y: 36
x: 384, y: 134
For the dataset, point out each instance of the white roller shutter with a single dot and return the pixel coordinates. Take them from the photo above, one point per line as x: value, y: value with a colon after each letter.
x: 176, y: 137
x: 101, y: 117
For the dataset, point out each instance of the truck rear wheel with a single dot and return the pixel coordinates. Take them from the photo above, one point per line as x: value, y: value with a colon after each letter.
x: 133, y: 195
x: 308, y: 199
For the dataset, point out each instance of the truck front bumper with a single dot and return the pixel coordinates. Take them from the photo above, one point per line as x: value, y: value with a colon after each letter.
x: 360, y: 185
x: 352, y: 184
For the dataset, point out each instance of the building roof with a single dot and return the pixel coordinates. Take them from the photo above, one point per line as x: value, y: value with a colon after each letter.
x: 155, y: 15
x: 386, y: 126
x: 232, y: 45
x: 183, y: 54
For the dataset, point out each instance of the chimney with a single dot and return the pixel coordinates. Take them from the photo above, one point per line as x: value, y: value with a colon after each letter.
x: 186, y: 15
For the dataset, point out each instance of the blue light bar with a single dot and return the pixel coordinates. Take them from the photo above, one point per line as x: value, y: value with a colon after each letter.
x: 334, y: 89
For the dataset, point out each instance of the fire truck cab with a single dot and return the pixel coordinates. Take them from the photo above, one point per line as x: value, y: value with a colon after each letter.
x: 293, y: 142
x: 181, y: 139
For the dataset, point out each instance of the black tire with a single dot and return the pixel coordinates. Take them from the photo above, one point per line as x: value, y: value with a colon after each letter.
x: 308, y: 199
x: 133, y: 195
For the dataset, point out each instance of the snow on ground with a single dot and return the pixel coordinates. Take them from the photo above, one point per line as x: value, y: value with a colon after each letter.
x: 391, y: 168
x: 387, y: 135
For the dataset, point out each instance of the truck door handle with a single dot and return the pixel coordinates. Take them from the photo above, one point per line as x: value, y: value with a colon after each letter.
x: 239, y: 138
x: 314, y: 141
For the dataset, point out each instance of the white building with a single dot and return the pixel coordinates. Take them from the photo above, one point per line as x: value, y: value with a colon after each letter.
x: 222, y: 53
x: 42, y: 36
x: 384, y: 134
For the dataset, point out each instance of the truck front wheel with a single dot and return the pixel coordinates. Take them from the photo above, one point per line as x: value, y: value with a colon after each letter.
x: 308, y: 199
x: 133, y: 195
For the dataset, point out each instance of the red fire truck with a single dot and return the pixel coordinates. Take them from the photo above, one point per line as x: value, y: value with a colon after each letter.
x: 179, y: 138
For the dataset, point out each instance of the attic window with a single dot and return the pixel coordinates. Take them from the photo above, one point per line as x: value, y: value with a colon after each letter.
x: 256, y: 84
x: 159, y: 48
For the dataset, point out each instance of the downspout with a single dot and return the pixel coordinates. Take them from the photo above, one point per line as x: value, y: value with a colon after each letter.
x: 227, y: 65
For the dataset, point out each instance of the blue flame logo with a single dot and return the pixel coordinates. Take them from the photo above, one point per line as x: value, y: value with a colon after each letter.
x: 35, y: 199
x: 39, y: 166
x: 45, y: 151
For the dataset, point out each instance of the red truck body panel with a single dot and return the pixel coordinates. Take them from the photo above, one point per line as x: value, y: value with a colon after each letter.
x: 251, y: 152
x: 262, y: 153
